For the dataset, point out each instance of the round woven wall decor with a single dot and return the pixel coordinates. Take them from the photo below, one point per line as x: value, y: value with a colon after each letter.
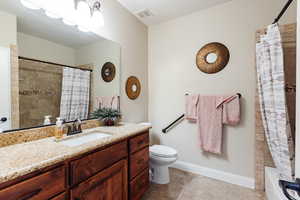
x: 108, y: 72
x: 212, y: 58
x: 133, y: 87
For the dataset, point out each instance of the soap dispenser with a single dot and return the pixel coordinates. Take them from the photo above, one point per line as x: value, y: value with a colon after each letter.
x: 59, y: 129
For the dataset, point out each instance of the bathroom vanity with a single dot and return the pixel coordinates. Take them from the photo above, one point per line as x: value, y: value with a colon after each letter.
x: 113, y: 168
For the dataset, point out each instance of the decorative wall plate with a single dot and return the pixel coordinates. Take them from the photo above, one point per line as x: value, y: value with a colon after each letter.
x: 212, y: 58
x: 133, y: 87
x: 108, y: 72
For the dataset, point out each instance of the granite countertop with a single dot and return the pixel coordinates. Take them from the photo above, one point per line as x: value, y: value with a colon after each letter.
x: 20, y: 159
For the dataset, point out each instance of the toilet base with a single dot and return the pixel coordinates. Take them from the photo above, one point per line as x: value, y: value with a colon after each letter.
x: 159, y: 174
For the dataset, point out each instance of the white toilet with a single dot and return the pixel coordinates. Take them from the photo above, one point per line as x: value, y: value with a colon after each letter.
x: 161, y: 157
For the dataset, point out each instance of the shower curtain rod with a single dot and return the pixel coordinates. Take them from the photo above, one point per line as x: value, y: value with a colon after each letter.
x: 287, y: 5
x: 51, y: 63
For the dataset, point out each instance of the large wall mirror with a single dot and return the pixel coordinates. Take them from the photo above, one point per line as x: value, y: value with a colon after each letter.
x: 49, y: 69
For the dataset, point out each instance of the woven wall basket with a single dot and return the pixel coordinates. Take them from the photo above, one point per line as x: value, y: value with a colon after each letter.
x: 212, y: 58
x: 133, y: 87
x: 108, y: 72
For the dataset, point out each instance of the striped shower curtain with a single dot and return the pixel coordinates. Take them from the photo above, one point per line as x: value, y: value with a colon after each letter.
x: 271, y: 87
x: 75, y: 94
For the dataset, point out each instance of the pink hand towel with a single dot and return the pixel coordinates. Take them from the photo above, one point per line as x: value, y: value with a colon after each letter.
x: 210, y: 124
x: 231, y: 109
x: 191, y: 102
x: 115, y: 103
x: 109, y: 102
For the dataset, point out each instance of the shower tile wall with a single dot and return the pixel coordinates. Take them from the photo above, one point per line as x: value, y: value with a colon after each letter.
x: 15, y: 116
x: 40, y: 91
x: 263, y: 155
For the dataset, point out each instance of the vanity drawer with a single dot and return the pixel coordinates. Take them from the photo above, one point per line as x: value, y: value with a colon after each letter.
x: 41, y: 187
x: 60, y: 197
x: 139, y: 142
x: 139, y: 185
x: 88, y: 166
x: 138, y: 162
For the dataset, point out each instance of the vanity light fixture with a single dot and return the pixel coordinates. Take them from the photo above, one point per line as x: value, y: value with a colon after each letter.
x: 30, y: 4
x: 51, y: 9
x: 85, y: 14
x: 97, y: 17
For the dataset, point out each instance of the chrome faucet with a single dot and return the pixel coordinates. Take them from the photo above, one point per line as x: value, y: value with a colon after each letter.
x: 75, y: 128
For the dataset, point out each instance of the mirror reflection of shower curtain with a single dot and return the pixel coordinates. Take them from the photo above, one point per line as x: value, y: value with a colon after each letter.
x: 75, y: 94
x: 271, y: 88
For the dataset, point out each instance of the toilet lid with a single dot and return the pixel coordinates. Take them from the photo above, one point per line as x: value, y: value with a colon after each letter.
x: 163, y: 151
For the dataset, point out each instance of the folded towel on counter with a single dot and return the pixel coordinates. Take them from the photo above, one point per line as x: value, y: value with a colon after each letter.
x: 112, y: 102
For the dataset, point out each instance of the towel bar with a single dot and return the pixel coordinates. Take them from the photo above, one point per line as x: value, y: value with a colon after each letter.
x: 165, y: 130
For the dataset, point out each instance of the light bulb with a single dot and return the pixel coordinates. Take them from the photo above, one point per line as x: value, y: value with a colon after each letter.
x: 52, y: 9
x: 97, y: 19
x: 83, y: 29
x: 68, y: 12
x: 30, y: 4
x: 83, y: 10
x: 69, y: 22
x: 83, y: 16
x: 52, y: 14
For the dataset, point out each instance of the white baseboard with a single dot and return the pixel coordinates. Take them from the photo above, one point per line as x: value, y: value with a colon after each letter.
x: 215, y: 174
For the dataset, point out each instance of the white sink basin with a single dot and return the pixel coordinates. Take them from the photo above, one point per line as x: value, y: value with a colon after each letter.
x: 76, y: 141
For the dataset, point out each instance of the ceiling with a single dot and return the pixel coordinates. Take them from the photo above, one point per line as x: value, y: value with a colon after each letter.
x: 36, y: 23
x: 164, y: 10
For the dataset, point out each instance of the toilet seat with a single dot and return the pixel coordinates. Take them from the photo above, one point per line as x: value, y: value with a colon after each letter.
x: 162, y: 151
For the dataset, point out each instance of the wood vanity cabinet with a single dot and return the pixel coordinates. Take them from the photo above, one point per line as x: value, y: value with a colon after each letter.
x: 119, y: 171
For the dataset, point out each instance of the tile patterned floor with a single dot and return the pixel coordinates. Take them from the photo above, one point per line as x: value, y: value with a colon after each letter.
x: 187, y: 186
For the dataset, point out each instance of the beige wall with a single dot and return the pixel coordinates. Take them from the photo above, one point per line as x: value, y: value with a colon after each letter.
x: 37, y: 48
x: 98, y: 54
x: 8, y: 33
x: 172, y: 73
x: 125, y: 29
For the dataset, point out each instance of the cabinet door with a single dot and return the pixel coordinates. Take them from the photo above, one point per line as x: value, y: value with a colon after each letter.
x: 139, y: 185
x: 110, y: 184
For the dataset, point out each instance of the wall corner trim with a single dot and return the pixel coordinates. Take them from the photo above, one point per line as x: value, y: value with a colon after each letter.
x: 215, y: 174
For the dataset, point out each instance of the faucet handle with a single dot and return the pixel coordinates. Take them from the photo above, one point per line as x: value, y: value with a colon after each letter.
x: 70, y: 129
x: 78, y: 124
